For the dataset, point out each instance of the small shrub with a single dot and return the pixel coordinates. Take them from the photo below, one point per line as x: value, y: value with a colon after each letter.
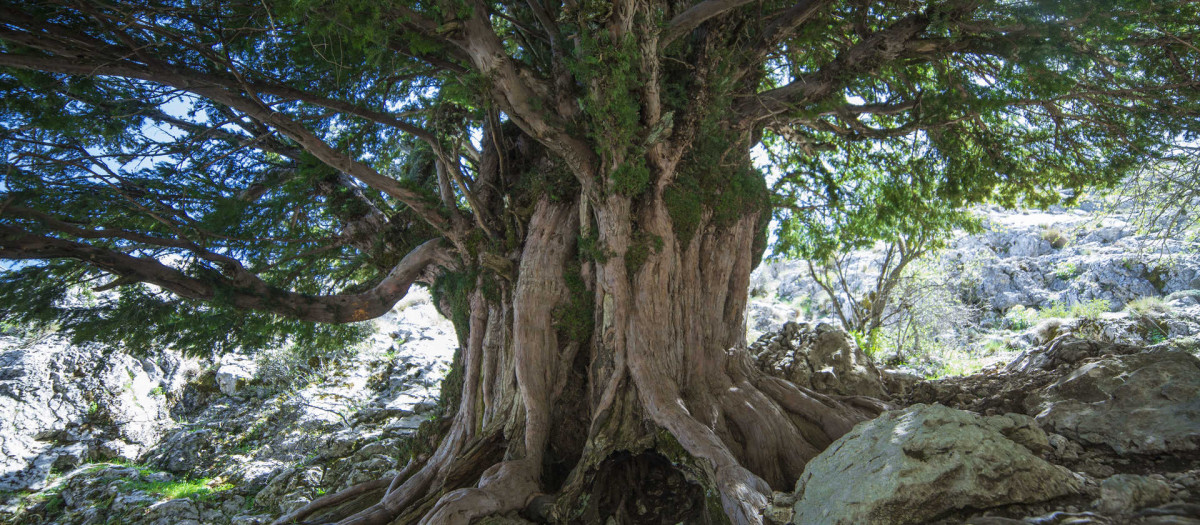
x: 1066, y: 270
x: 1149, y: 306
x: 1056, y: 237
x: 1020, y: 318
x: 1155, y: 336
x: 1091, y: 310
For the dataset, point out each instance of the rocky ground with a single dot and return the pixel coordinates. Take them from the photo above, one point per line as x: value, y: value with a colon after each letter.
x: 1066, y: 391
x: 236, y: 441
x: 1074, y: 431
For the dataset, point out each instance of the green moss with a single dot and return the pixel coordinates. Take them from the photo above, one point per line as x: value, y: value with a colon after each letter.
x: 631, y: 178
x: 575, y: 321
x: 453, y: 290
x: 728, y: 193
x: 686, y: 209
x: 716, y: 176
x: 451, y: 391
x: 590, y: 248
x: 551, y: 178
x: 610, y: 68
x: 639, y: 251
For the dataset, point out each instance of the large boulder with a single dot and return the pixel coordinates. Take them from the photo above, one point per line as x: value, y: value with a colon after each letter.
x: 822, y: 357
x: 1145, y: 403
x: 913, y: 465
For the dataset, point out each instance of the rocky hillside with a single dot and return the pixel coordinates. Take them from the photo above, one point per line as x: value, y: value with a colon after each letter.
x: 1054, y: 380
x: 986, y: 298
x: 100, y: 437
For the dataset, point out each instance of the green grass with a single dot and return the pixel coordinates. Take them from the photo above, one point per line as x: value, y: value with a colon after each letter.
x: 199, y: 488
x: 1149, y: 306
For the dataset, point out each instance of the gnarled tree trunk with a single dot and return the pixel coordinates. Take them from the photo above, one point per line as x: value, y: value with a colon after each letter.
x: 587, y: 370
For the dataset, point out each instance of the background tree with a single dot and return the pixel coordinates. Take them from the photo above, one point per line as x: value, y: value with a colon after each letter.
x: 575, y: 182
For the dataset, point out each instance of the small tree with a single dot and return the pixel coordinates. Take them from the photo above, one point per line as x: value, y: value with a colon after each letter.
x: 865, y: 310
x: 574, y: 181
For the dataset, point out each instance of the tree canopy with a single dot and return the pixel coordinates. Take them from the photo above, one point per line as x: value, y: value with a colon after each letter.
x: 242, y: 169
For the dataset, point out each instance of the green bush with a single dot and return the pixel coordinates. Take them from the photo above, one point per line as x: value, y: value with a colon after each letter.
x: 1066, y: 270
x: 1056, y: 237
x: 1090, y: 310
x: 1020, y: 318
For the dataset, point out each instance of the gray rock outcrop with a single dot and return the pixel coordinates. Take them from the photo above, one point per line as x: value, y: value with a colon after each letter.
x: 1143, y: 403
x: 1127, y: 493
x: 822, y: 357
x: 61, y: 405
x: 913, y: 465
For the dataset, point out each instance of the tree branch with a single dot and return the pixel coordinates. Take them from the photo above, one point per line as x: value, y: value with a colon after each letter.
x: 864, y: 57
x: 244, y: 291
x: 690, y: 19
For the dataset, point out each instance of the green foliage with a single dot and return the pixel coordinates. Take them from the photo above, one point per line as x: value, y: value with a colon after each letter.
x: 714, y: 180
x: 1020, y: 318
x: 575, y: 321
x: 631, y: 177
x: 1056, y: 237
x: 927, y: 324
x: 453, y: 290
x: 1089, y: 310
x: 875, y: 147
x: 1066, y: 270
x: 612, y: 105
x: 639, y: 251
x: 141, y: 319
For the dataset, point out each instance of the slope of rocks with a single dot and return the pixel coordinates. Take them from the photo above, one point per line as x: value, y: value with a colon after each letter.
x: 1002, y: 285
x: 1096, y: 433
x: 229, y: 446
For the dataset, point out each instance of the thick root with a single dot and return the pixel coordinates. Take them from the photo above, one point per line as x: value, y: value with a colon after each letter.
x: 356, y: 491
x: 744, y: 495
x: 504, y: 487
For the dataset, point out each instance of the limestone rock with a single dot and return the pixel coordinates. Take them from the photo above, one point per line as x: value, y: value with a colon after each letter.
x: 63, y: 404
x: 1126, y: 493
x: 822, y: 357
x: 912, y: 465
x: 1144, y: 403
x: 234, y: 375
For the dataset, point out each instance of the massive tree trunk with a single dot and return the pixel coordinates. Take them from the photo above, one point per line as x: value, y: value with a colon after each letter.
x: 613, y: 355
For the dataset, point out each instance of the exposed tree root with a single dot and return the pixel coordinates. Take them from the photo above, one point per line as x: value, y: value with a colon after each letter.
x: 330, y: 500
x: 504, y: 487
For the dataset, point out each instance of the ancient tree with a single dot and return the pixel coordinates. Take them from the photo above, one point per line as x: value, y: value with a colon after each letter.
x: 585, y: 187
